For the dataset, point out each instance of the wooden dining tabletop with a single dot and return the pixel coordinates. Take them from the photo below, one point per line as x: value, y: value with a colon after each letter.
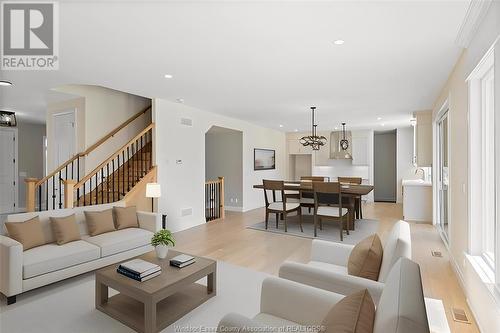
x: 353, y: 189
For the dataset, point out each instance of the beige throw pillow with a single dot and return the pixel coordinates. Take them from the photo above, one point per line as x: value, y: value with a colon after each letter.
x: 28, y: 233
x: 126, y: 217
x: 100, y: 222
x: 65, y: 229
x: 353, y: 314
x: 365, y: 258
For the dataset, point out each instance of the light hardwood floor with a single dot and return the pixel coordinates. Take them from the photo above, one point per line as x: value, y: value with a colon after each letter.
x: 229, y: 240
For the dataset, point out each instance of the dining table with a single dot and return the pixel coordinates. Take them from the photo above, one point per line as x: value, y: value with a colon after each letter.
x: 350, y: 191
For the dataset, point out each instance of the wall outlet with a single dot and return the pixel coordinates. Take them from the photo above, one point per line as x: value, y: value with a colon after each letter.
x: 186, y: 211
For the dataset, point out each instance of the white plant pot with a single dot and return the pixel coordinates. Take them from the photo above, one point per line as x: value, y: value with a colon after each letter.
x: 161, y: 251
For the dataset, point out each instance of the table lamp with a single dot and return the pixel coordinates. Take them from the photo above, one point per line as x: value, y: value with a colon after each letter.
x: 153, y: 190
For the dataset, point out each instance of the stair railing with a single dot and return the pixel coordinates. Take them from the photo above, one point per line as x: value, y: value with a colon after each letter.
x: 113, y: 178
x: 214, y: 199
x: 48, y: 192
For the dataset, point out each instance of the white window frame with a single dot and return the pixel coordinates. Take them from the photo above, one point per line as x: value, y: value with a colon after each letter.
x: 480, y: 157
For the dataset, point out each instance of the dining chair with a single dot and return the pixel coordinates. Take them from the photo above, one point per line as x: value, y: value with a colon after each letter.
x: 280, y: 207
x: 307, y: 199
x: 357, y: 200
x: 323, y: 210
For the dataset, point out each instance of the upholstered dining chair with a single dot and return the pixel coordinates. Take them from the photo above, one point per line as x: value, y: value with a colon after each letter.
x: 323, y: 210
x: 279, y: 207
x: 357, y: 200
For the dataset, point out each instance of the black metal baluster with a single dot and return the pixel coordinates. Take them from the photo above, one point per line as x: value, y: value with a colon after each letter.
x: 128, y: 169
x: 40, y: 198
x: 107, y: 181
x: 114, y: 175
x: 72, y: 170
x: 53, y: 193
x: 90, y: 191
x: 123, y: 173
x: 60, y: 191
x: 84, y: 199
x: 78, y: 168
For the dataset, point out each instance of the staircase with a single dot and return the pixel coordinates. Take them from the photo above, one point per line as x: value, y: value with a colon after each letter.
x: 68, y: 186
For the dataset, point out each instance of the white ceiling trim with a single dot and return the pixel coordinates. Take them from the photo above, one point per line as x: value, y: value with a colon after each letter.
x: 475, y: 14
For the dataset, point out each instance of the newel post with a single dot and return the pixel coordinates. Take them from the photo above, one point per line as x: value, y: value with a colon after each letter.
x: 69, y: 185
x: 221, y: 207
x: 30, y: 193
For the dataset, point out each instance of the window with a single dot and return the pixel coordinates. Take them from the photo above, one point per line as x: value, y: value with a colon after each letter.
x: 482, y: 154
x: 488, y: 168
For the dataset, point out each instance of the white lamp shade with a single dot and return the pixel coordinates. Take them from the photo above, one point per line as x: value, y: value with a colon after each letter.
x: 153, y: 190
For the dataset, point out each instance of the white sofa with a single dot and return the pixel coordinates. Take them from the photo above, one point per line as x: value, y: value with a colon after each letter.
x: 21, y: 271
x: 327, y: 268
x: 294, y: 306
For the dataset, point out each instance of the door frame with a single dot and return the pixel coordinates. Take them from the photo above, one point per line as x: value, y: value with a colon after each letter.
x: 61, y: 113
x: 442, y: 113
x: 16, y: 167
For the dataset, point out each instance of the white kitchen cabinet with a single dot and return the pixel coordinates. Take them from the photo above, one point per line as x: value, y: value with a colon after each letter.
x: 417, y: 200
x: 359, y: 150
x: 295, y: 148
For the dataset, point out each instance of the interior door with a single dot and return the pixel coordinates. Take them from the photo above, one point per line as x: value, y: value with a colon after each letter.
x: 443, y: 175
x: 7, y: 171
x: 64, y: 146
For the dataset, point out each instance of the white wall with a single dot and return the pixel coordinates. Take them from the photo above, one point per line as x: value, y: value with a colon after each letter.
x: 404, y: 153
x: 183, y: 184
x: 30, y: 155
x: 482, y: 300
x: 224, y: 158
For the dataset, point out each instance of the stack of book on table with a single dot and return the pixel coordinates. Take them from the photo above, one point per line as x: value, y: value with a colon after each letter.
x: 182, y: 260
x: 139, y: 270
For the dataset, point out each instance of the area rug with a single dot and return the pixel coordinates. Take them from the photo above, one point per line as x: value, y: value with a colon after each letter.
x: 68, y: 306
x: 330, y: 232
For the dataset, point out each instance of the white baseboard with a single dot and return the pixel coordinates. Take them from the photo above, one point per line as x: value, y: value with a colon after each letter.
x: 234, y: 209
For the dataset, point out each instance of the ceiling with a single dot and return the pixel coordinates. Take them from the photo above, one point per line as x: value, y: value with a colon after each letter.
x: 264, y: 62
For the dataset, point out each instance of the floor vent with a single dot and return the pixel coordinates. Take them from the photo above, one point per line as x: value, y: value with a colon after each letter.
x: 460, y: 315
x: 436, y: 254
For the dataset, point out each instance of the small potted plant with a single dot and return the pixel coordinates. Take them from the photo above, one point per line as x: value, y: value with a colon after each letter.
x: 161, y: 240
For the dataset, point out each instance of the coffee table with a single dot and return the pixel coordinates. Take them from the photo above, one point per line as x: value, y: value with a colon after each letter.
x: 152, y: 305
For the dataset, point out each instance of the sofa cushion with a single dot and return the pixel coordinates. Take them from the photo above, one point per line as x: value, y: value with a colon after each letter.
x: 52, y: 257
x: 353, y: 314
x: 365, y: 258
x: 401, y: 308
x: 398, y: 245
x: 120, y: 240
x: 65, y: 229
x: 29, y: 233
x: 329, y: 267
x: 126, y: 217
x: 273, y: 321
x: 100, y: 222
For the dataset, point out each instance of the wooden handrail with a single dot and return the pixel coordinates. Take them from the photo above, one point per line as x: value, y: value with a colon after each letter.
x: 112, y: 156
x: 113, y: 132
x: 93, y: 147
x: 53, y: 173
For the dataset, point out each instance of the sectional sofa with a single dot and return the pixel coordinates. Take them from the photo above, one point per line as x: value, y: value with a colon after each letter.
x: 21, y: 271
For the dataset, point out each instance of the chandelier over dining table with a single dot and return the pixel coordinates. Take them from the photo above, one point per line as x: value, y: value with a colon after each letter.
x: 314, y: 141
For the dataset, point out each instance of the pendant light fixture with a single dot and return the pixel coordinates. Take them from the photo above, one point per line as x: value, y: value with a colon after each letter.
x: 344, y: 143
x: 313, y: 140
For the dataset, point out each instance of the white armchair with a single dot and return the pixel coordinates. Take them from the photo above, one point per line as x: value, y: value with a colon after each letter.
x: 292, y: 306
x: 327, y: 268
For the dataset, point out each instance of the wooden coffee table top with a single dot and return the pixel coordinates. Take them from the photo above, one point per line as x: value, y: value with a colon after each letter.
x: 170, y: 276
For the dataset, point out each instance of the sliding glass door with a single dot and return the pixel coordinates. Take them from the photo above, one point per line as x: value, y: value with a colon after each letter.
x: 443, y: 175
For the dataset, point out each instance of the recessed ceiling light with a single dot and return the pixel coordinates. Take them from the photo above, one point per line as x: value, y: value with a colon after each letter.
x: 336, y: 128
x: 168, y: 76
x: 281, y: 126
x: 296, y: 130
x: 180, y: 100
x: 382, y: 124
x: 379, y: 118
x: 5, y: 83
x: 339, y: 42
